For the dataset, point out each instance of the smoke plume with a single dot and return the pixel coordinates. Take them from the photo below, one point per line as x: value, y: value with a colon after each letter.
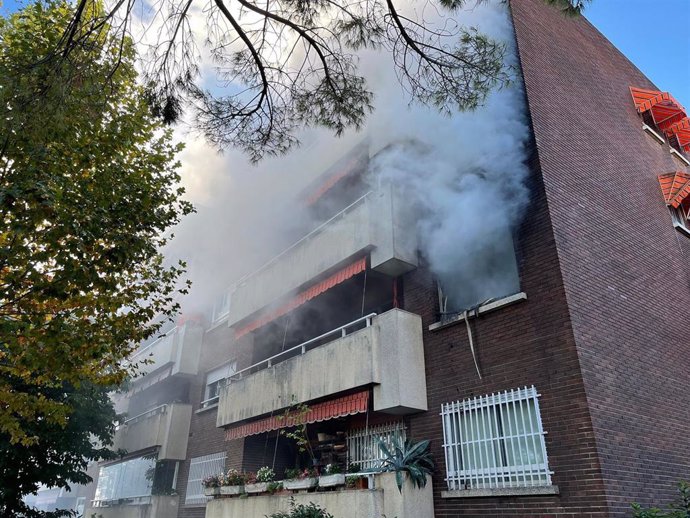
x: 465, y: 174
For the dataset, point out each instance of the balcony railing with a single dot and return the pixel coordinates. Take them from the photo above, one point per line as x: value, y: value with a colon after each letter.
x: 386, y: 353
x: 302, y: 348
x: 380, y: 223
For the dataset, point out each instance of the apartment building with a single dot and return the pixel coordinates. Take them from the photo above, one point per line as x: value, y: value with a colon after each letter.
x: 565, y: 396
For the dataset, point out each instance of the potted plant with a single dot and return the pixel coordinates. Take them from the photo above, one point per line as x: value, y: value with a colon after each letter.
x: 232, y: 483
x: 356, y: 482
x: 333, y: 476
x: 211, y: 485
x: 259, y: 483
x: 413, y: 459
x: 354, y: 478
x: 296, y: 479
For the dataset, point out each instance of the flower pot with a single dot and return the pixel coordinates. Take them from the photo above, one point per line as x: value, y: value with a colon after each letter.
x: 362, y: 483
x: 258, y: 487
x: 231, y: 490
x: 332, y: 480
x: 357, y: 483
x: 300, y: 483
x: 211, y: 491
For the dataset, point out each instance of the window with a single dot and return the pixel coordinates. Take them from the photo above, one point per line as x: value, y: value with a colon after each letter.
x: 221, y: 307
x: 215, y: 381
x: 490, y: 273
x: 363, y: 444
x: 681, y: 216
x: 129, y: 479
x: 199, y: 468
x: 495, y: 441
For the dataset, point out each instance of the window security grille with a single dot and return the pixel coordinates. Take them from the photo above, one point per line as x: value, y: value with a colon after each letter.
x: 363, y: 445
x: 129, y: 479
x: 200, y: 468
x: 495, y: 441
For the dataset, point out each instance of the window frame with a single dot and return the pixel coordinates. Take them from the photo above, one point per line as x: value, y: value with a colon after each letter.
x: 206, y: 465
x: 226, y: 370
x: 479, y: 441
x: 681, y: 217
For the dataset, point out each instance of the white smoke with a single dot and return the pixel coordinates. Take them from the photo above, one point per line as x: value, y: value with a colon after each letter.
x: 464, y: 173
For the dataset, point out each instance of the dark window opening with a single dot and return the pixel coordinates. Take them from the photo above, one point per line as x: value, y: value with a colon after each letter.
x: 365, y: 293
x: 489, y: 273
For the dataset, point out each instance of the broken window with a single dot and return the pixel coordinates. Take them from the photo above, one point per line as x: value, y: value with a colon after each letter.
x: 488, y: 273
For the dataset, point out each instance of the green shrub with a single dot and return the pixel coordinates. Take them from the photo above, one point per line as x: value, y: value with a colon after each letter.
x: 678, y: 509
x: 311, y: 510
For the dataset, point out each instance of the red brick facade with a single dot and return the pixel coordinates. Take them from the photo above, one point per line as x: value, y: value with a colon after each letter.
x: 624, y: 267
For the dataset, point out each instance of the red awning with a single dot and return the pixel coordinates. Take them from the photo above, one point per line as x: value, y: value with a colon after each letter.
x: 340, y: 276
x: 665, y: 110
x: 340, y: 407
x: 330, y: 182
x: 675, y: 187
x: 681, y: 130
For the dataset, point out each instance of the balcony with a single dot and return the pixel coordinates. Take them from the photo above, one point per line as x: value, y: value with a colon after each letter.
x: 387, y: 353
x: 179, y: 348
x: 154, y: 506
x: 380, y: 222
x: 384, y: 500
x: 165, y: 426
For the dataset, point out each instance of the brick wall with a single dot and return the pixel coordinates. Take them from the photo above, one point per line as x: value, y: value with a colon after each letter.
x: 528, y: 343
x: 625, y: 268
x: 204, y: 437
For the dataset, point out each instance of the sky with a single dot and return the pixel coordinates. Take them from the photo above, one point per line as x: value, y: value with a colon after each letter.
x: 654, y: 35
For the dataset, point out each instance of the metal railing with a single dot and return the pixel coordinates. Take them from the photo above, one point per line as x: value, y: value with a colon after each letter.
x: 152, y: 344
x: 363, y: 445
x: 303, y: 347
x: 310, y: 235
x: 495, y: 441
x: 160, y: 409
x: 210, y: 401
x: 125, y: 500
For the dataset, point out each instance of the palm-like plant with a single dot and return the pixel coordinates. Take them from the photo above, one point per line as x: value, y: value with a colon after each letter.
x: 408, y: 457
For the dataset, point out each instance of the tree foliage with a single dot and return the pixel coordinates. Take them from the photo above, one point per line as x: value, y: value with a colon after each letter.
x: 678, y: 509
x: 63, y: 453
x: 88, y: 187
x: 281, y: 65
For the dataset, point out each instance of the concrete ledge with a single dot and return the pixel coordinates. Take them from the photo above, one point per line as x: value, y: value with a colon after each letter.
x: 502, y: 491
x: 206, y: 408
x: 683, y: 230
x: 383, y: 502
x: 486, y: 308
x: 680, y: 157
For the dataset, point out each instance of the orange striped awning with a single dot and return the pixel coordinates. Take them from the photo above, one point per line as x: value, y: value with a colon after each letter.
x: 330, y: 182
x: 681, y: 130
x: 340, y: 407
x: 317, y: 289
x: 665, y: 110
x: 675, y: 187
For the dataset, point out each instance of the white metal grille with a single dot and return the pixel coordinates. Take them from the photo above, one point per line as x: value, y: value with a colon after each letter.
x: 199, y: 468
x: 363, y: 445
x: 495, y: 441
